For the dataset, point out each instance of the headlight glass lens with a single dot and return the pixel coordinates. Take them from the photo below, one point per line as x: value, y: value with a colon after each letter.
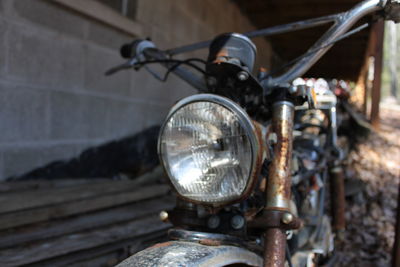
x: 207, y: 152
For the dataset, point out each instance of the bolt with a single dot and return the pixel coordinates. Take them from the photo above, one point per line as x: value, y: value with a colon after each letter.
x: 287, y: 218
x: 293, y: 90
x: 163, y: 216
x: 212, y: 81
x: 237, y: 222
x: 213, y: 221
x: 243, y: 75
x: 273, y: 138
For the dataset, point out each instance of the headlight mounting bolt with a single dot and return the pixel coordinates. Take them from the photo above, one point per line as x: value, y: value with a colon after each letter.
x: 287, y: 218
x: 213, y: 222
x: 163, y: 216
x: 242, y: 75
x: 293, y: 90
x: 237, y: 222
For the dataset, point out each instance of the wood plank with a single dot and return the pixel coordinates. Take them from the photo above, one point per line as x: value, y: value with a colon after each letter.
x: 84, y: 222
x: 52, y: 196
x: 19, y: 218
x: 377, y: 33
x: 79, y: 241
x: 20, y: 186
x: 125, y: 248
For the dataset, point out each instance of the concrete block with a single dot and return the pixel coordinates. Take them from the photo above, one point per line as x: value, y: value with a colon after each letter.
x: 3, y: 50
x: 44, y: 59
x: 146, y: 88
x: 23, y: 114
x: 182, y: 27
x: 97, y: 62
x: 51, y: 16
x: 19, y: 160
x: 155, y: 12
x: 2, y: 175
x: 106, y: 36
x: 124, y: 118
x: 77, y: 116
x: 155, y: 114
x: 162, y: 39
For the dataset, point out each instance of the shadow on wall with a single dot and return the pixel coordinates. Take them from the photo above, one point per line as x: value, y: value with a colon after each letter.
x: 131, y: 156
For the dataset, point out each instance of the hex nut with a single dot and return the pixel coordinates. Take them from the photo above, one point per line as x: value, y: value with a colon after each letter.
x: 163, y: 216
x: 287, y: 218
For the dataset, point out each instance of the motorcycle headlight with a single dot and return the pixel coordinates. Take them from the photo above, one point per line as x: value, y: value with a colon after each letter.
x: 209, y: 148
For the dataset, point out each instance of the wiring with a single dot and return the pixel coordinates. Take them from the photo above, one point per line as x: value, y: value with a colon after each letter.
x: 174, y: 64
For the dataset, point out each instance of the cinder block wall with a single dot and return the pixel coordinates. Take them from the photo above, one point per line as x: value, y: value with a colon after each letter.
x: 54, y: 99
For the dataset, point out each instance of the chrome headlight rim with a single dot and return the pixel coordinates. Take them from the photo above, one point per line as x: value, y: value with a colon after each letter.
x: 250, y: 130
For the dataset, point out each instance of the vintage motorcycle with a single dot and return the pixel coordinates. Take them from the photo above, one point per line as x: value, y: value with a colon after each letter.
x: 251, y: 157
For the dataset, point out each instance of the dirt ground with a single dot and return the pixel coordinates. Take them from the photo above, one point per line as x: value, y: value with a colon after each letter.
x: 371, y: 191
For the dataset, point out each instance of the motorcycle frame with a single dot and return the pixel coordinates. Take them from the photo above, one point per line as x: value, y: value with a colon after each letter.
x: 342, y: 22
x: 276, y: 217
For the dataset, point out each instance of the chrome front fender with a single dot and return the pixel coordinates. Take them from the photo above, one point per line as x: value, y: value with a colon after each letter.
x: 183, y: 254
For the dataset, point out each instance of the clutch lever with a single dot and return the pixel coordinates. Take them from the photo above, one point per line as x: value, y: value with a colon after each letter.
x: 134, y: 51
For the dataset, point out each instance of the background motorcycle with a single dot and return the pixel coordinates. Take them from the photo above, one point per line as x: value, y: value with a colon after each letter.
x: 249, y: 158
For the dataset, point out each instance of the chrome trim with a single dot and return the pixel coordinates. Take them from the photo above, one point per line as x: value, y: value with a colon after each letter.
x: 246, y: 123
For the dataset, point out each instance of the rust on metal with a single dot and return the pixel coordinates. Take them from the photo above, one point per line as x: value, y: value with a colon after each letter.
x: 278, y: 184
x: 338, y: 198
x: 273, y: 219
x: 274, y: 247
x: 160, y: 245
x: 221, y: 57
x: 210, y: 242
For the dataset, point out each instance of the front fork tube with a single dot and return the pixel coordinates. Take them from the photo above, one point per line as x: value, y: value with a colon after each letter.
x: 278, y: 186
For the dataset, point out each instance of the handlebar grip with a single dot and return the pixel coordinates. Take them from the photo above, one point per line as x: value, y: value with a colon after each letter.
x: 135, y: 48
x: 129, y: 50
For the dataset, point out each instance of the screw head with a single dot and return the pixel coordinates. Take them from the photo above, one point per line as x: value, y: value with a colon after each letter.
x: 213, y: 222
x: 293, y: 90
x: 287, y: 218
x: 243, y: 75
x: 237, y: 222
x: 212, y: 81
x: 163, y: 216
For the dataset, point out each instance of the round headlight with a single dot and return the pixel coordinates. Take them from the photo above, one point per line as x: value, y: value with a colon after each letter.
x: 208, y: 147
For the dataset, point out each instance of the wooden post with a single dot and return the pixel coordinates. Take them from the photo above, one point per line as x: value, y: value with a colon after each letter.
x: 377, y: 43
x: 393, y: 59
x: 396, y: 247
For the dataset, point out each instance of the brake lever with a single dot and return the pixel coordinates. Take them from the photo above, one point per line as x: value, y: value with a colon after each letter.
x: 127, y: 65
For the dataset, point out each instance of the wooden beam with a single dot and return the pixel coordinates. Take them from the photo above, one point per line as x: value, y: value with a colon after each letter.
x: 377, y: 33
x: 124, y: 248
x: 83, y: 222
x: 10, y: 202
x: 79, y: 241
x: 29, y: 216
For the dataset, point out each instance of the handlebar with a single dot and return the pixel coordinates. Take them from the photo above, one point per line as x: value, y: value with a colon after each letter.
x: 342, y: 22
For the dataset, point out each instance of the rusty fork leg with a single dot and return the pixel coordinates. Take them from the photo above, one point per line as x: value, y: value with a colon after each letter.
x: 338, y: 200
x: 279, y: 182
